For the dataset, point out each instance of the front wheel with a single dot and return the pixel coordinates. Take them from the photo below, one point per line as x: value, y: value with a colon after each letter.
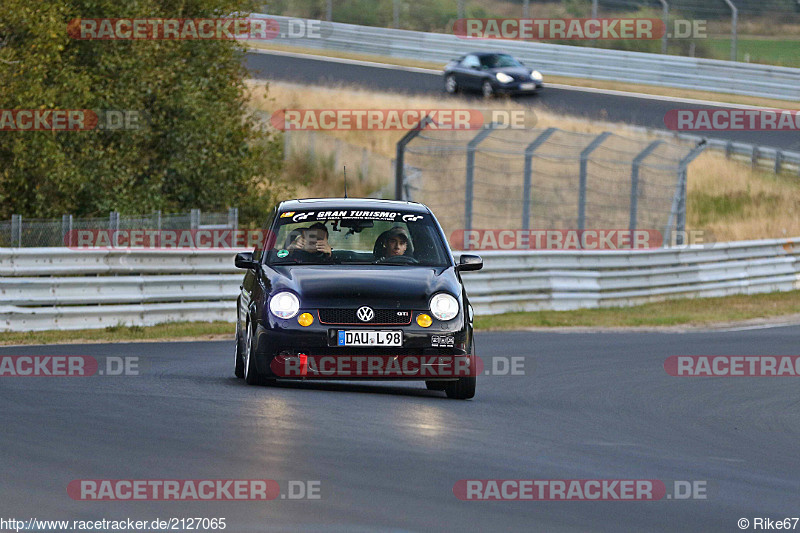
x: 487, y: 89
x: 251, y: 375
x: 464, y: 388
x: 450, y: 84
x: 238, y: 368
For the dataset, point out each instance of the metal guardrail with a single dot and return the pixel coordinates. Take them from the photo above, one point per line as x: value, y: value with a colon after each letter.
x: 59, y: 288
x: 560, y: 60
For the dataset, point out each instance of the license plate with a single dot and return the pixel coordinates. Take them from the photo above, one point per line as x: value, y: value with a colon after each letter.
x: 527, y: 86
x: 370, y: 338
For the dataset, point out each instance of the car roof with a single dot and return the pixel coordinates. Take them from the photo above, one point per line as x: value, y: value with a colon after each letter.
x: 350, y: 203
x: 484, y: 54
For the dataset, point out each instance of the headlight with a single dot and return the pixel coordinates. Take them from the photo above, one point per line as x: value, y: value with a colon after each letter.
x: 444, y: 306
x: 284, y: 305
x: 536, y: 75
x: 503, y: 77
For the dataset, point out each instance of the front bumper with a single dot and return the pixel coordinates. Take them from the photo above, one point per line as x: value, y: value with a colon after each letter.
x: 285, y: 349
x: 516, y: 87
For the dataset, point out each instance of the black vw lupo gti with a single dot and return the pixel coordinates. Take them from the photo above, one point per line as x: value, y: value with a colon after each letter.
x: 356, y: 289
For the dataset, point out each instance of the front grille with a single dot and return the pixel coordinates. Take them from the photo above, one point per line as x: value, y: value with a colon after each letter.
x: 348, y: 316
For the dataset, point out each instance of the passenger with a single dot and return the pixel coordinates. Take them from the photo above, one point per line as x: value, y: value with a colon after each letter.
x: 311, y: 243
x: 393, y: 242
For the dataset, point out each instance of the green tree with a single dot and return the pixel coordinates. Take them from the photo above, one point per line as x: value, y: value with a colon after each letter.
x: 198, y: 146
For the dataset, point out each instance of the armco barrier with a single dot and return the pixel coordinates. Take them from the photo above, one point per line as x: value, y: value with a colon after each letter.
x: 59, y: 288
x: 561, y: 60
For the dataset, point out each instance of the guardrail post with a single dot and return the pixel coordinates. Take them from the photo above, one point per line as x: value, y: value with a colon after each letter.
x: 395, y: 13
x: 582, y: 185
x: 526, y: 184
x: 66, y: 230
x: 329, y: 11
x: 194, y: 219
x: 728, y: 149
x: 16, y: 230
x: 158, y: 220
x: 233, y: 217
x: 754, y: 157
x: 637, y: 162
x: 778, y: 161
x: 401, y: 149
x: 472, y: 145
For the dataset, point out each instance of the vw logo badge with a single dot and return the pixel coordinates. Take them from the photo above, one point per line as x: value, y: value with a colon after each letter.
x: 365, y: 314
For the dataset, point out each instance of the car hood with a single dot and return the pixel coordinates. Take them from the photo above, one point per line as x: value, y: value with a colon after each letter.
x: 351, y: 286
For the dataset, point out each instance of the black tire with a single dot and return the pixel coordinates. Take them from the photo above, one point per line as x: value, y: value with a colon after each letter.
x: 238, y: 369
x: 450, y: 84
x: 251, y: 375
x: 487, y: 89
x: 436, y: 385
x: 464, y: 388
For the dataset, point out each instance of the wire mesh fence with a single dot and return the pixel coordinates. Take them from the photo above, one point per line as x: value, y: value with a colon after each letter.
x: 549, y: 179
x: 22, y: 232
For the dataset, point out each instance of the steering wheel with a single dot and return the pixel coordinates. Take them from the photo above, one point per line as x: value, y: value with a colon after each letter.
x: 399, y: 258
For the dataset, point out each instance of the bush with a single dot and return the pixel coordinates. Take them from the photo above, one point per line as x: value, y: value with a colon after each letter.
x: 198, y: 149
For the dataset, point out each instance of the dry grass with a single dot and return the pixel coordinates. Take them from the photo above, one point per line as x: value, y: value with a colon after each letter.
x: 725, y: 197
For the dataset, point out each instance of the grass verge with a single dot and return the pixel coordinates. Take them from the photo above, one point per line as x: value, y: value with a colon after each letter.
x: 168, y: 331
x: 684, y: 312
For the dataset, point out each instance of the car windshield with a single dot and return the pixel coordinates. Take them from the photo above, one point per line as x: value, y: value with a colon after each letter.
x: 357, y: 237
x: 499, y: 61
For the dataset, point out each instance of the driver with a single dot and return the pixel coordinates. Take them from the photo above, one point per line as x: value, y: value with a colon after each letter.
x: 394, y: 242
x: 312, y: 242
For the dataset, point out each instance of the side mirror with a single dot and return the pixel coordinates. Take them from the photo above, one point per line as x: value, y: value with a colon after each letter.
x: 245, y: 260
x: 469, y: 262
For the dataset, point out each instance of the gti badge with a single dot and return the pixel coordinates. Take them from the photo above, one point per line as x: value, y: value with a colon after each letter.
x: 365, y: 314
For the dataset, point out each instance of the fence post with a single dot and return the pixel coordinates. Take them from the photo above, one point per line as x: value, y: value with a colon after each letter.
x: 233, y: 217
x: 364, y: 164
x: 637, y: 162
x: 778, y: 161
x: 337, y: 154
x: 582, y: 185
x: 401, y: 149
x: 678, y: 210
x: 472, y: 145
x: 66, y: 230
x: 526, y: 183
x: 158, y: 220
x: 287, y: 147
x: 194, y: 219
x: 16, y: 230
x: 113, y: 227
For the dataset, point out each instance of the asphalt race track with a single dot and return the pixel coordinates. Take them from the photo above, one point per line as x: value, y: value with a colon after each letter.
x: 639, y: 111
x: 589, y: 406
